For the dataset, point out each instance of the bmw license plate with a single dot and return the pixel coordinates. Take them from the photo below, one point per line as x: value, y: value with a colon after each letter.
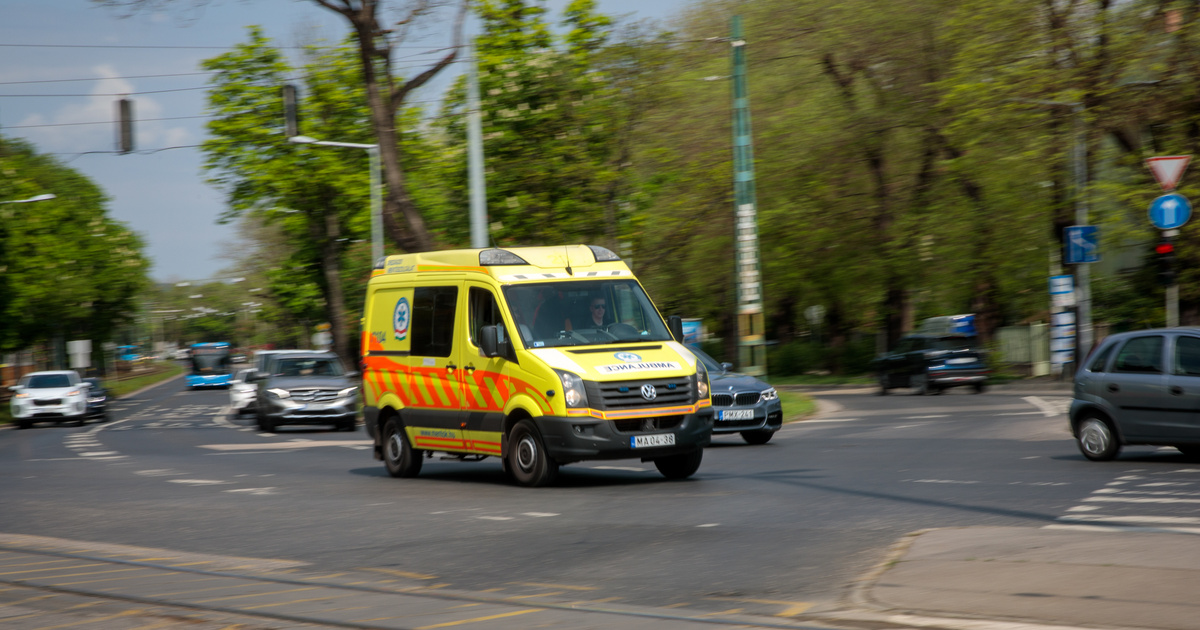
x: 658, y: 439
x: 735, y: 414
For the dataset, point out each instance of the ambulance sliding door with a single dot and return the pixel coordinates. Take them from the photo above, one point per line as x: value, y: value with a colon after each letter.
x: 433, y: 417
x: 482, y: 387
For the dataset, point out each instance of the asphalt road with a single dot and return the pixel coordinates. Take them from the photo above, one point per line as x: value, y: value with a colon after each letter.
x: 771, y: 532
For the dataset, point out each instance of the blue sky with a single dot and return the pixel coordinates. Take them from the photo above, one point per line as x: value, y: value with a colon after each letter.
x: 161, y: 194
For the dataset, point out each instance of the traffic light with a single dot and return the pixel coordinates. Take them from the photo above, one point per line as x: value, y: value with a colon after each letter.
x: 125, y: 126
x: 1165, y: 253
x: 291, y: 115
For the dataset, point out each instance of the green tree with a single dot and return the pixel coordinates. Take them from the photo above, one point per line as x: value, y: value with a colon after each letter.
x: 317, y: 195
x: 67, y: 269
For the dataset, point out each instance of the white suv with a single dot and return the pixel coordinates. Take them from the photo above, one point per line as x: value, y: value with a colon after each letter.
x: 55, y: 396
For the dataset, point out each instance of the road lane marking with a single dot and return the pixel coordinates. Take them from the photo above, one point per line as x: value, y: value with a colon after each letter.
x: 925, y: 417
x: 1047, y: 408
x: 229, y: 597
x: 629, y: 468
x: 709, y: 525
x: 539, y: 514
x: 198, y: 482
x: 479, y: 619
x: 565, y: 587
x: 406, y: 574
x: 1137, y: 500
x: 495, y: 518
x: 1180, y: 520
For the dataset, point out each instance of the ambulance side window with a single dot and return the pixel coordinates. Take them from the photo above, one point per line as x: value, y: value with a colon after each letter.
x: 432, y: 328
x: 484, y: 311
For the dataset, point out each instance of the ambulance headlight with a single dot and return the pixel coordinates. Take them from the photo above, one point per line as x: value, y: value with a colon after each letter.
x: 573, y: 392
x: 701, y: 380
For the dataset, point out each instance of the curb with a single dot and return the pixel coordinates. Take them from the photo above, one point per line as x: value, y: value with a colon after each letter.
x: 861, y: 608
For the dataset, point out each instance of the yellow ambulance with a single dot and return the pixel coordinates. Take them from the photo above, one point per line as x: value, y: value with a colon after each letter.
x: 541, y: 356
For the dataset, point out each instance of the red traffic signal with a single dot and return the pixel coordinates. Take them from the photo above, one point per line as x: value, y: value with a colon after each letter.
x: 1164, y: 248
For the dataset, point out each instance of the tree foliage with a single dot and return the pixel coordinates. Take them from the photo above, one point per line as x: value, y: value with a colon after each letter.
x: 67, y: 269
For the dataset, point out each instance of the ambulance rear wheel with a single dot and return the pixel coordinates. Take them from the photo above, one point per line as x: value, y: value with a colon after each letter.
x: 401, y: 459
x: 528, y: 460
x: 679, y: 466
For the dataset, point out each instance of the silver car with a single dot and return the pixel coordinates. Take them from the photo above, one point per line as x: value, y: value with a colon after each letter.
x: 1139, y: 387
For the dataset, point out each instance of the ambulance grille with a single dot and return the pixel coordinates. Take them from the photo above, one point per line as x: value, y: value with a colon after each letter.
x: 647, y: 425
x: 628, y: 394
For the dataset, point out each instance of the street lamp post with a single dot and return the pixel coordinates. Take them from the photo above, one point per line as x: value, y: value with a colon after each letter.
x: 376, y: 195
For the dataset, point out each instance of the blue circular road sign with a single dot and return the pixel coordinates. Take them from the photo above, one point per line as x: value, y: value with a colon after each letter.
x: 1170, y: 211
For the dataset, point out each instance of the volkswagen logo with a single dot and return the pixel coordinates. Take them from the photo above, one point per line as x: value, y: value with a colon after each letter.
x: 648, y: 392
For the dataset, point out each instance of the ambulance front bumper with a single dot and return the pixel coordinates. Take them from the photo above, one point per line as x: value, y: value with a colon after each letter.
x: 583, y: 438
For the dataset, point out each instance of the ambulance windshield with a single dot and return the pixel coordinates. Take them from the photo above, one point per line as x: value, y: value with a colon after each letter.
x: 584, y: 312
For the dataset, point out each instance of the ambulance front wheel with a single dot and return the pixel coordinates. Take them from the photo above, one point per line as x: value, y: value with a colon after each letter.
x: 401, y: 459
x: 528, y: 460
x: 679, y: 466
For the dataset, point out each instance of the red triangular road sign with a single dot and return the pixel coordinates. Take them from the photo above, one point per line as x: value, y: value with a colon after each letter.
x: 1168, y: 170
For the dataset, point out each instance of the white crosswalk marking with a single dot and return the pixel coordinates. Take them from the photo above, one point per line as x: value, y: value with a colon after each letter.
x: 1165, y: 501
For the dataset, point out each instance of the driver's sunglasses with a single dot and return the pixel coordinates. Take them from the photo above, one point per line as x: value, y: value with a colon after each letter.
x: 598, y: 306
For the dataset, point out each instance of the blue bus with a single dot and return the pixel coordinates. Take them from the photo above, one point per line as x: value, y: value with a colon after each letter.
x: 210, y: 365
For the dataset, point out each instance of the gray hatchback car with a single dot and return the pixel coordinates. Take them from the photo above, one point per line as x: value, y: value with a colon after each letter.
x: 1139, y: 387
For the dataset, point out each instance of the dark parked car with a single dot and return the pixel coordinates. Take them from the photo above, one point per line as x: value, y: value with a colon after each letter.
x: 97, y: 399
x: 306, y: 388
x: 929, y: 363
x: 741, y: 403
x: 1139, y: 387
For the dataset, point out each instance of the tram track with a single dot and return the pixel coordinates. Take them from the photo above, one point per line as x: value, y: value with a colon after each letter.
x: 356, y: 600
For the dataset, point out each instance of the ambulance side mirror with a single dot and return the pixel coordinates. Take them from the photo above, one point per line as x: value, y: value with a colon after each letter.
x: 495, y: 343
x: 675, y: 325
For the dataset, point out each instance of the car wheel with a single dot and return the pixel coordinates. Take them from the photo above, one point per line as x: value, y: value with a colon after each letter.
x: 24, y: 424
x: 757, y: 437
x: 267, y: 424
x: 979, y: 388
x: 920, y: 385
x: 679, y: 466
x: 1096, y: 440
x: 883, y: 385
x: 531, y: 465
x: 350, y: 426
x: 79, y: 420
x: 400, y: 458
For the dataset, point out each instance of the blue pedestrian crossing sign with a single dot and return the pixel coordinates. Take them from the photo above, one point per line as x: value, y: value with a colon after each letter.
x: 1083, y: 245
x: 1170, y: 211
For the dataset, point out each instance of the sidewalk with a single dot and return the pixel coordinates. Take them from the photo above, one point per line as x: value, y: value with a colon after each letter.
x: 1004, y: 578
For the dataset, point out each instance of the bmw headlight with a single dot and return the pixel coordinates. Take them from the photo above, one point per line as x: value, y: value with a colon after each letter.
x: 573, y: 392
x: 95, y: 399
x: 770, y: 394
x: 279, y: 393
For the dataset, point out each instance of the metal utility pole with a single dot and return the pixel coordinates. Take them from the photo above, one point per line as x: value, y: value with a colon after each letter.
x: 376, y: 187
x: 752, y: 351
x: 1083, y: 279
x: 479, y: 232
